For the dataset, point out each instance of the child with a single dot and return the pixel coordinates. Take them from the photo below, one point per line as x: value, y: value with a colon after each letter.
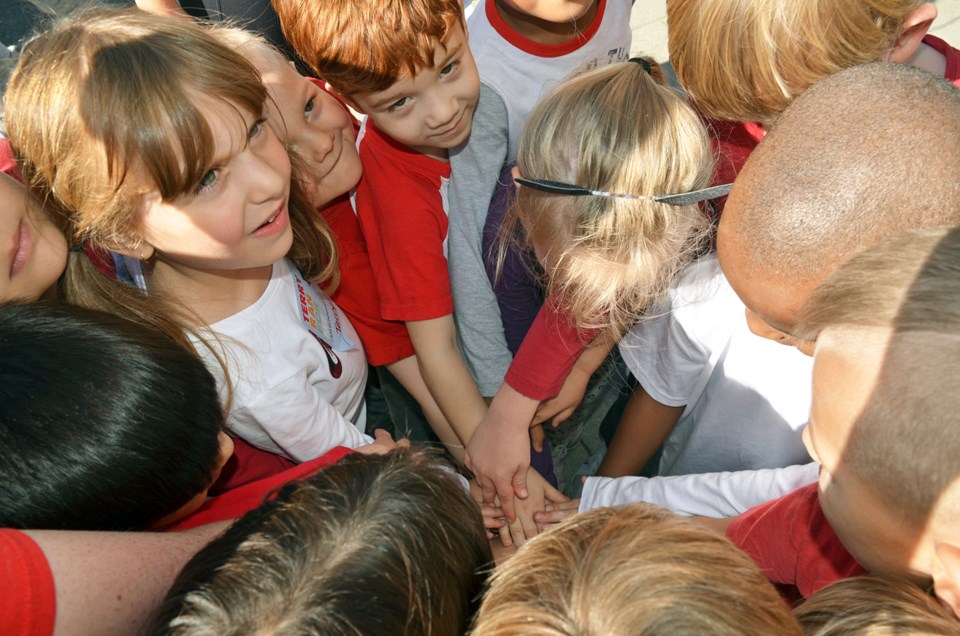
x: 174, y: 167
x: 608, y: 258
x: 40, y: 251
x: 320, y: 129
x: 872, y: 605
x: 884, y: 398
x: 742, y: 63
x: 387, y: 544
x: 631, y: 570
x: 137, y: 446
x: 120, y: 430
x: 524, y: 49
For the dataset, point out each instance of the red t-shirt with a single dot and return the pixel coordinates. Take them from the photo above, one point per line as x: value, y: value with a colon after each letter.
x: 28, y: 604
x: 242, y: 500
x: 549, y: 351
x: 400, y: 204
x: 791, y: 541
x: 384, y: 341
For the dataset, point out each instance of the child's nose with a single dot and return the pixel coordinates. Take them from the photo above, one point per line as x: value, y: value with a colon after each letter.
x: 443, y: 113
x: 317, y: 147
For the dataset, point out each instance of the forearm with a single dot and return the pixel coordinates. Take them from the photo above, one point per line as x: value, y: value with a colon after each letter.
x: 643, y: 427
x: 446, y: 376
x: 714, y: 495
x: 111, y: 582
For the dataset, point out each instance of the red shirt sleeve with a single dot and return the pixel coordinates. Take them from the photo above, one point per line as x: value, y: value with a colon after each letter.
x: 28, y: 605
x: 793, y: 544
x: 732, y: 142
x: 549, y: 350
x: 400, y: 207
x: 242, y: 500
x: 8, y: 162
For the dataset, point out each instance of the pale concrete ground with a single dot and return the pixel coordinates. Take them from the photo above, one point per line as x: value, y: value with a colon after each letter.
x: 649, y: 24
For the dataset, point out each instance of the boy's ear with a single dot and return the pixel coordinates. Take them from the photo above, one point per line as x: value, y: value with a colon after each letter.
x: 515, y: 173
x: 946, y: 578
x: 915, y: 27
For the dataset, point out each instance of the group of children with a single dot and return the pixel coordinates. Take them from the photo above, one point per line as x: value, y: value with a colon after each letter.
x: 212, y: 257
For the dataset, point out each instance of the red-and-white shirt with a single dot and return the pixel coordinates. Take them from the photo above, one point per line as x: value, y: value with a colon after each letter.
x: 401, y: 204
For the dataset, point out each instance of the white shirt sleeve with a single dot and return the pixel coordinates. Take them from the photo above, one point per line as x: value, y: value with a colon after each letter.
x: 292, y: 419
x: 715, y: 495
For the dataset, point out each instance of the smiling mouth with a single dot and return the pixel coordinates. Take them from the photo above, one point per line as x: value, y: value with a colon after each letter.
x: 452, y: 129
x: 270, y: 220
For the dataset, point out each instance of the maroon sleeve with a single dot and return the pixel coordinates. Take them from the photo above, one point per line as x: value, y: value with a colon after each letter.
x: 242, y: 500
x: 547, y: 354
x: 28, y: 605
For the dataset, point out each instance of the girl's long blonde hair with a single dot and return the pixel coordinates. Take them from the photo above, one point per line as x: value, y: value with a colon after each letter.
x: 617, y: 129
x: 112, y: 93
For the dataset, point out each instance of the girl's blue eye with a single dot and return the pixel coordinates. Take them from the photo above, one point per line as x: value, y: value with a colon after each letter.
x: 208, y: 180
x: 257, y: 128
x: 400, y: 103
x: 308, y: 108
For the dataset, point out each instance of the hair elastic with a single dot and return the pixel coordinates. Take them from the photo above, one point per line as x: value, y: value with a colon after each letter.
x: 75, y: 249
x: 642, y: 62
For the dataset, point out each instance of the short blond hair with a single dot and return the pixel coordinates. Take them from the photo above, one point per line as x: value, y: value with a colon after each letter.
x: 745, y: 60
x: 617, y: 129
x: 874, y: 606
x: 637, y: 570
x: 905, y: 443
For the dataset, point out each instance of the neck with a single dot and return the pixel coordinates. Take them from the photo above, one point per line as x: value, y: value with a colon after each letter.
x: 209, y: 295
x: 542, y: 31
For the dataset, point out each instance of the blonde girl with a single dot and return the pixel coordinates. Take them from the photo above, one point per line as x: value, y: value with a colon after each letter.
x: 149, y: 138
x: 610, y: 171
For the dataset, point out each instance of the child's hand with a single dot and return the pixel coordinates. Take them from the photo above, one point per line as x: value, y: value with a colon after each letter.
x: 493, y: 519
x: 542, y: 494
x: 499, y: 450
x: 556, y: 512
x: 382, y: 443
x: 561, y: 406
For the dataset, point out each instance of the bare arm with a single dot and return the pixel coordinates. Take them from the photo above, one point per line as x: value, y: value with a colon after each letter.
x: 111, y: 582
x: 559, y: 408
x: 446, y: 375
x: 644, y: 425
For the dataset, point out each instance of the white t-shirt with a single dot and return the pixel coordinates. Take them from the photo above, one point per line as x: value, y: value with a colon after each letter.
x: 297, y: 390
x: 521, y: 71
x: 747, y: 398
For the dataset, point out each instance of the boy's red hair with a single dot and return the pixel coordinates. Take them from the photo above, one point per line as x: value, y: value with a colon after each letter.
x: 363, y: 46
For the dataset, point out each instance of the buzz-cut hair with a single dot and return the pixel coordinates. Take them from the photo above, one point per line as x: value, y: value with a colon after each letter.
x: 865, y: 154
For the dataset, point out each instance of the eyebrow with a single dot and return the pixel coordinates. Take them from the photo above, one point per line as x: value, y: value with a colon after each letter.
x: 380, y: 103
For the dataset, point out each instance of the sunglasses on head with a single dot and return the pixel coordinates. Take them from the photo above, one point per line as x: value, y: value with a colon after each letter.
x: 569, y: 189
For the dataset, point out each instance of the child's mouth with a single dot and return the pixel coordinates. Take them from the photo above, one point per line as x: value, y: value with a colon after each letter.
x: 274, y: 224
